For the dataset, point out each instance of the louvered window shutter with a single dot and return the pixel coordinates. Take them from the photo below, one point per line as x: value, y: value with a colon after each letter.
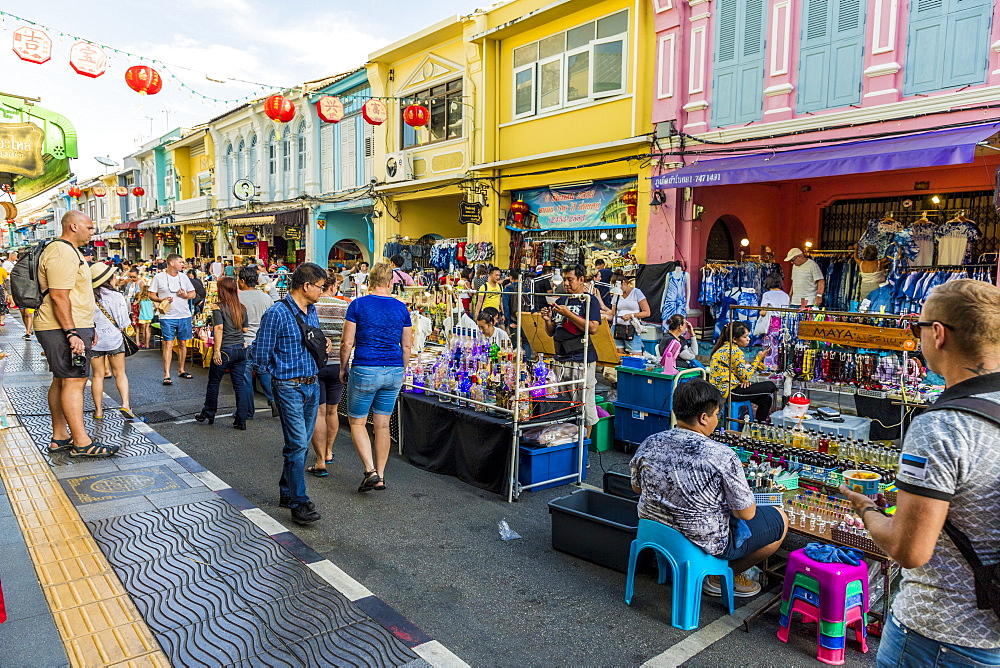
x: 348, y: 153
x: 831, y: 59
x: 738, y: 61
x: 947, y: 44
x: 327, y: 157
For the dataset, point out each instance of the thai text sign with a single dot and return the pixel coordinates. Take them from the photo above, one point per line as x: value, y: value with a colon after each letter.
x: 585, y: 207
x: 859, y: 336
x: 21, y: 149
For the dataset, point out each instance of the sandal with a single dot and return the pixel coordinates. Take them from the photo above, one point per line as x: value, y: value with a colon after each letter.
x: 185, y: 374
x: 380, y: 485
x: 167, y: 381
x: 95, y: 449
x: 319, y: 473
x: 371, y: 479
x: 61, y: 444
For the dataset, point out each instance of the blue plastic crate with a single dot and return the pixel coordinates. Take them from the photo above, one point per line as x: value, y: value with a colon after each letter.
x: 644, y: 388
x: 635, y: 426
x: 538, y: 463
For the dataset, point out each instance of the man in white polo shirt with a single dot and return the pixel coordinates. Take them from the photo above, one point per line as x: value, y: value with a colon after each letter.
x: 808, y: 283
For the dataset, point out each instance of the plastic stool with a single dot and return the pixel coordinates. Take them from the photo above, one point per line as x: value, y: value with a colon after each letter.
x: 833, y: 580
x: 689, y: 565
x: 737, y: 408
x: 829, y: 648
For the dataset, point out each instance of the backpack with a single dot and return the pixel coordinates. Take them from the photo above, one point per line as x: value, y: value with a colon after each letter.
x: 24, y: 286
x: 986, y: 578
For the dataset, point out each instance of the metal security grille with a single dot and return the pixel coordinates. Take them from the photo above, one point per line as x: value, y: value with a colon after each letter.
x: 844, y: 221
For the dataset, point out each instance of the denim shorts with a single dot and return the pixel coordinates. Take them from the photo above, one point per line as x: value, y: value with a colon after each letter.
x: 179, y: 328
x: 766, y: 527
x: 373, y: 388
x: 902, y: 647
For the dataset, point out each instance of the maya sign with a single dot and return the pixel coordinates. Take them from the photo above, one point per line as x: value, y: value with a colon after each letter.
x: 21, y: 149
x: 858, y: 335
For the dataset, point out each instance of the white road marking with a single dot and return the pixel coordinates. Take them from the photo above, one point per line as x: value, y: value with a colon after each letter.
x: 706, y: 637
x: 341, y: 581
x: 438, y: 655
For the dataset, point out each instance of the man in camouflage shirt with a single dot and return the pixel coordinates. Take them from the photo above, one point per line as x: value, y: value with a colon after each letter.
x: 949, y: 469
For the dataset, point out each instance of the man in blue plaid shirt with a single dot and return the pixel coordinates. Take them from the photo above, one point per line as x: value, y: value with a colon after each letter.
x: 280, y: 352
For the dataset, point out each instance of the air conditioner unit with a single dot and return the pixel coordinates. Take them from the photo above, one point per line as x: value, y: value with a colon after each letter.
x: 399, y: 167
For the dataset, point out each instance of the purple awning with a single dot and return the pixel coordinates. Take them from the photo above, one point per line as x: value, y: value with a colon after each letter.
x: 928, y: 149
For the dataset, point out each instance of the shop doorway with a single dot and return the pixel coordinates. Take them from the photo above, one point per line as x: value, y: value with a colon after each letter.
x: 344, y: 253
x: 719, y: 245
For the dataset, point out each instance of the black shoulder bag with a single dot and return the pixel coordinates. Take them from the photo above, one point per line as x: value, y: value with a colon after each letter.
x: 625, y: 332
x: 986, y: 578
x: 312, y: 337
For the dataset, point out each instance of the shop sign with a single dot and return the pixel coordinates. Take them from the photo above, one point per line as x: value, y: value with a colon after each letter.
x: 587, y: 207
x: 470, y: 213
x: 293, y: 233
x: 21, y: 149
x: 859, y: 336
x: 250, y: 237
x: 202, y: 237
x: 134, y: 243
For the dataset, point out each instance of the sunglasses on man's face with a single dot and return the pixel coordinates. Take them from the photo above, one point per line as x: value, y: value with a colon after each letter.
x: 915, y: 327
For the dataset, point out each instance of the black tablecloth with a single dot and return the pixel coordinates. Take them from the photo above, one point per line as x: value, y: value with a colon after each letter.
x: 442, y: 438
x: 883, y: 411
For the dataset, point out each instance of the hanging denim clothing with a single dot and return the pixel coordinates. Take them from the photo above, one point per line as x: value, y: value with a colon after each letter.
x: 674, y: 297
x: 881, y: 299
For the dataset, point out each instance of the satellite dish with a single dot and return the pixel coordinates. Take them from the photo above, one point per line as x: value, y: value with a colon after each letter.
x: 107, y: 162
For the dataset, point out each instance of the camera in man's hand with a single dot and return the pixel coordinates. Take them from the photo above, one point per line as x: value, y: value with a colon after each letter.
x: 78, y: 360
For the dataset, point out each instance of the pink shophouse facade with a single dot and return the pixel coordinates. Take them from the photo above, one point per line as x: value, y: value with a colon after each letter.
x: 888, y: 105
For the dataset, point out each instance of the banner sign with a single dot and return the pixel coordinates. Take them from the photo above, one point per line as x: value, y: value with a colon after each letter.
x: 586, y: 207
x: 858, y: 336
x: 202, y: 237
x: 21, y: 149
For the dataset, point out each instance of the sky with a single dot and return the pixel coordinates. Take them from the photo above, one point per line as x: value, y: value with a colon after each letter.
x: 276, y: 43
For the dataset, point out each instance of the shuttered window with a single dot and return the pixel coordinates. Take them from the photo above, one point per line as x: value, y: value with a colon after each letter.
x: 327, y: 157
x: 947, y: 44
x: 369, y: 133
x: 738, y: 61
x: 349, y: 153
x: 831, y: 57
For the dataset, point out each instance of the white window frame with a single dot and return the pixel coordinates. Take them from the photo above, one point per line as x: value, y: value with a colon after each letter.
x: 531, y: 69
x: 623, y: 38
x: 534, y: 70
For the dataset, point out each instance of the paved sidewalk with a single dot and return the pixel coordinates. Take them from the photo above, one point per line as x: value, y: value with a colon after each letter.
x: 192, y: 566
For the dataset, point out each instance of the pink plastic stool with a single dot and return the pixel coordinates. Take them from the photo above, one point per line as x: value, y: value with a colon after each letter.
x: 833, y: 580
x: 834, y: 657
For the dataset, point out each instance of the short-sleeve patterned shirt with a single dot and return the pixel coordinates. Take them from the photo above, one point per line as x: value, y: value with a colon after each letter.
x: 954, y: 457
x: 689, y: 482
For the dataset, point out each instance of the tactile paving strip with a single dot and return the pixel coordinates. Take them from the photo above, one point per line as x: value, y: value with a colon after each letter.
x: 97, y: 620
x: 21, y: 357
x: 216, y: 590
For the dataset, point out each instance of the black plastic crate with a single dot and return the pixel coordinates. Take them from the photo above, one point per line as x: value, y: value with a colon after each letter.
x: 595, y: 526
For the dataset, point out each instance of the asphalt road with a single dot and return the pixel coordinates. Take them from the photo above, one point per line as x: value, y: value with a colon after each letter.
x: 429, y: 546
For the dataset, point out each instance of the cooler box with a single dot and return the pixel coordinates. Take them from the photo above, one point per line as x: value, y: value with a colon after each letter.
x: 853, y: 427
x: 595, y: 526
x: 539, y: 463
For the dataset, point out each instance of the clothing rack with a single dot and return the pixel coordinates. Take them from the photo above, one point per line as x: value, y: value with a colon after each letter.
x: 949, y: 267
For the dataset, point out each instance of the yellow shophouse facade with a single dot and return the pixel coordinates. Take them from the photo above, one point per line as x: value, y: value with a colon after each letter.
x: 554, y: 112
x: 192, y: 169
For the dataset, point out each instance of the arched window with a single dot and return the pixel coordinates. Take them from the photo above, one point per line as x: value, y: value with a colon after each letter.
x: 272, y: 165
x: 252, y: 161
x: 301, y: 166
x: 241, y: 163
x: 286, y: 163
x: 229, y: 172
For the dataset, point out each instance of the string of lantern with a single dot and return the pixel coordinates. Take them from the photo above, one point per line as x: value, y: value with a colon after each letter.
x: 32, y: 44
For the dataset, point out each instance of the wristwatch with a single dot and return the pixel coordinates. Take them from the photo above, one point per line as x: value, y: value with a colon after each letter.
x: 880, y: 511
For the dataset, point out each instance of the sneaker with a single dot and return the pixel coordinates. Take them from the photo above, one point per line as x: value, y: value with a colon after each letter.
x: 743, y: 586
x: 305, y: 513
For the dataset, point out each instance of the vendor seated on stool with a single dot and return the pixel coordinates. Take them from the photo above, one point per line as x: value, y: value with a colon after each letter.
x: 697, y: 486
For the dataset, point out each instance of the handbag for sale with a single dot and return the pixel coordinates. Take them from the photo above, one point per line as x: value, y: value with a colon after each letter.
x: 128, y: 343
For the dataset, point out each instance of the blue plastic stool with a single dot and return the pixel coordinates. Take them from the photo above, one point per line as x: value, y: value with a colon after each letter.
x: 688, y: 564
x: 737, y: 409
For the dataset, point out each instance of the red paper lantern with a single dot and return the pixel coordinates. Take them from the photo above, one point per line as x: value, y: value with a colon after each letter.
x: 88, y: 59
x: 631, y: 199
x: 75, y: 192
x: 519, y: 208
x: 121, y: 191
x: 32, y: 45
x: 100, y: 191
x: 143, y: 80
x: 375, y: 112
x: 416, y: 116
x: 330, y: 109
x: 279, y: 109
x: 138, y: 191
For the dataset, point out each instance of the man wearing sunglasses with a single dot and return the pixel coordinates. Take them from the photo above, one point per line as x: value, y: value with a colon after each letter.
x: 949, y: 470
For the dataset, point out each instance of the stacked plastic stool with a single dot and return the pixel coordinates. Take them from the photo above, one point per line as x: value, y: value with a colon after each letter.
x: 832, y: 595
